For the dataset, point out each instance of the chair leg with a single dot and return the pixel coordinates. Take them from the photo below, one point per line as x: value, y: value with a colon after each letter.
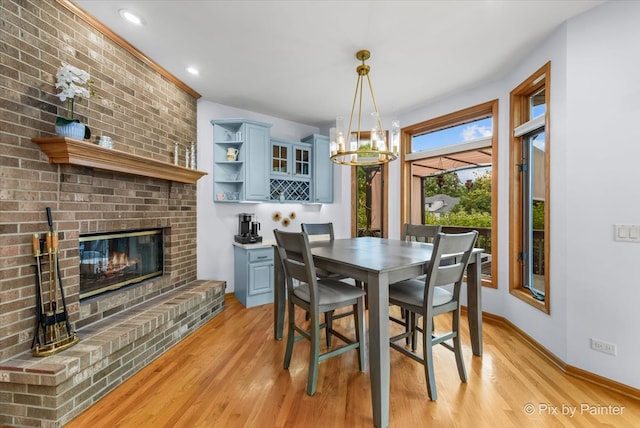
x: 427, y: 343
x: 411, y: 318
x: 363, y: 286
x: 405, y: 314
x: 414, y: 330
x: 290, y: 334
x: 358, y: 317
x: 457, y: 346
x: 328, y: 320
x: 314, y: 355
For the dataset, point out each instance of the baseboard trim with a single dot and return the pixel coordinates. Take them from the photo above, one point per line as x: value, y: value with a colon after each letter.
x: 564, y: 367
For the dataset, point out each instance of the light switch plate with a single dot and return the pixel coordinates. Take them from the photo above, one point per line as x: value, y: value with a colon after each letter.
x: 626, y: 232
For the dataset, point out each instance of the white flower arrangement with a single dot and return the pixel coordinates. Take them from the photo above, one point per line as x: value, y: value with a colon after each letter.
x: 73, y: 82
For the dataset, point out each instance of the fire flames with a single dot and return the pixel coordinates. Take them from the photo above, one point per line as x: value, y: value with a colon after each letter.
x: 118, y: 262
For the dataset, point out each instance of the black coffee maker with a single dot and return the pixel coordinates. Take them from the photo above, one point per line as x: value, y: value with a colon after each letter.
x: 247, y: 229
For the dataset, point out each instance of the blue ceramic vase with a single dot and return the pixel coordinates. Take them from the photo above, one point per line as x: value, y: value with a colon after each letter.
x: 72, y: 130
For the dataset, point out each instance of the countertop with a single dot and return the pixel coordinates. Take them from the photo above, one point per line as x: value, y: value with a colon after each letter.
x: 264, y: 244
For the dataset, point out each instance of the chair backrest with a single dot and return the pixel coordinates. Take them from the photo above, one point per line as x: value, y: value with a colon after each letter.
x: 297, y: 260
x: 319, y: 230
x: 455, y: 251
x: 420, y: 232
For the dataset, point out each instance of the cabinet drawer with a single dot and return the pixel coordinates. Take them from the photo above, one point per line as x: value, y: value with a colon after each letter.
x: 261, y: 255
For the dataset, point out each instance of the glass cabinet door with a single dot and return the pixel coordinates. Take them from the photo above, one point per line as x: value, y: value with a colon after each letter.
x: 302, y: 162
x: 280, y: 159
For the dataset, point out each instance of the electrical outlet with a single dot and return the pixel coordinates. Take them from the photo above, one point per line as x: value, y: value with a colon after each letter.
x: 607, y: 348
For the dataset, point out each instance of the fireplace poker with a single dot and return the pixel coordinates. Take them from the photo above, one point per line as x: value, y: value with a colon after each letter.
x: 58, y: 276
x: 40, y: 316
x: 50, y: 333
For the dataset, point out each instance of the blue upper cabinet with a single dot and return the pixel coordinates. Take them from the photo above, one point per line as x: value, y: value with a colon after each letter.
x: 241, y: 160
x: 257, y: 161
x: 322, y: 186
x: 249, y: 165
x: 291, y: 170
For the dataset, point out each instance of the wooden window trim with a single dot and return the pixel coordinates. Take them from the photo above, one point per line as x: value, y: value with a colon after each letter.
x: 489, y: 108
x: 519, y: 102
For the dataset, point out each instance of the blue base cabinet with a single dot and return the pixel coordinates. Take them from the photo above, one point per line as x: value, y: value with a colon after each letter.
x: 253, y: 274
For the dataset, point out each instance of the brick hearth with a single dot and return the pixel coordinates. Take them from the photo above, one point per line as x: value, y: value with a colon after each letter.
x: 50, y: 391
x: 145, y: 111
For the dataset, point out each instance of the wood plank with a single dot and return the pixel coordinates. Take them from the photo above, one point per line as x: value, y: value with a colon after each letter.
x: 64, y: 150
x: 229, y: 374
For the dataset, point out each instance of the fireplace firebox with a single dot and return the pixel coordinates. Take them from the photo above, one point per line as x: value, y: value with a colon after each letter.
x: 109, y: 261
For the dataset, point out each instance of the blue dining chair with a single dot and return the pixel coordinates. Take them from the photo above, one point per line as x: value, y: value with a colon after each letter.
x: 324, y: 231
x: 428, y: 298
x: 316, y: 296
x: 415, y: 233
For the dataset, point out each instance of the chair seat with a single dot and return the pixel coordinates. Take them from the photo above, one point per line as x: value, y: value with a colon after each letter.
x: 330, y: 292
x: 411, y: 292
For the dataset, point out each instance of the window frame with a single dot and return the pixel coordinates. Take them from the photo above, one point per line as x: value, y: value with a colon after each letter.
x: 519, y: 119
x: 384, y: 169
x: 489, y: 108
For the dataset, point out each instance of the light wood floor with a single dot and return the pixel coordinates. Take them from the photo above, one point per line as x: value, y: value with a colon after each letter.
x: 229, y: 374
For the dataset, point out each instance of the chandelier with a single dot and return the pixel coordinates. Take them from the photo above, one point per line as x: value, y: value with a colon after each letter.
x: 352, y: 147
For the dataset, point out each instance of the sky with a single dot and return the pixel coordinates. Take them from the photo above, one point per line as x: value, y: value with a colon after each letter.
x: 457, y: 134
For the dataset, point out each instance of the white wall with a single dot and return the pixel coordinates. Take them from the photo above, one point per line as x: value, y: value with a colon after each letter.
x: 594, y: 108
x: 217, y: 223
x: 601, y: 161
x: 595, y: 88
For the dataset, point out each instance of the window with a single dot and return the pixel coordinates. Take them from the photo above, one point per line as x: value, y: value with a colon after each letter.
x: 369, y: 199
x: 529, y: 189
x: 449, y: 176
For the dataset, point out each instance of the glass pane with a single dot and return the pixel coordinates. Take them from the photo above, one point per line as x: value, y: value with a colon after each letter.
x: 369, y: 209
x: 538, y: 106
x: 481, y: 128
x: 534, y: 200
x: 460, y: 201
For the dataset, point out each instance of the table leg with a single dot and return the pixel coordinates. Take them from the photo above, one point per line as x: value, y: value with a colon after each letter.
x: 279, y: 296
x: 379, y: 358
x: 474, y: 302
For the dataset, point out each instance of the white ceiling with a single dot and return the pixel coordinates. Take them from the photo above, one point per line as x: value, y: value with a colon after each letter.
x: 295, y: 59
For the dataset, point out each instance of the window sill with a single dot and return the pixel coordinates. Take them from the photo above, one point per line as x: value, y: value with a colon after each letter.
x: 526, y: 297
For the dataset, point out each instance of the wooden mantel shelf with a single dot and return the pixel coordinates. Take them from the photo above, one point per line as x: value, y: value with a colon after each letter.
x: 70, y: 151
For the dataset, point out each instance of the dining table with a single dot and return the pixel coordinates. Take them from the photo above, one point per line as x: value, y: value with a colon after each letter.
x: 380, y: 262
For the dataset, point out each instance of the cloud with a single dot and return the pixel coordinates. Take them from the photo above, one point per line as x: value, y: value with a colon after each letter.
x: 474, y: 131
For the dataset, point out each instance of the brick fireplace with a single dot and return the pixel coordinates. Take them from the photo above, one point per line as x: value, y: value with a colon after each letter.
x: 109, y: 261
x: 145, y: 111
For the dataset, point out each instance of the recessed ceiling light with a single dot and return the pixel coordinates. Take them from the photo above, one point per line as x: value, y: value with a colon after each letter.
x: 131, y: 17
x: 193, y: 70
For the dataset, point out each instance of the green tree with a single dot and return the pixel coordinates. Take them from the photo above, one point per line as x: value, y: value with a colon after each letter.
x: 443, y: 184
x: 478, y: 197
x: 474, y: 208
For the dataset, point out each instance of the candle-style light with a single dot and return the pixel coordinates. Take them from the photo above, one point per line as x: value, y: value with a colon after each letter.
x: 349, y: 148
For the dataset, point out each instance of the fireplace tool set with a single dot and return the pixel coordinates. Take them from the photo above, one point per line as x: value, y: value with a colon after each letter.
x: 53, y: 330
